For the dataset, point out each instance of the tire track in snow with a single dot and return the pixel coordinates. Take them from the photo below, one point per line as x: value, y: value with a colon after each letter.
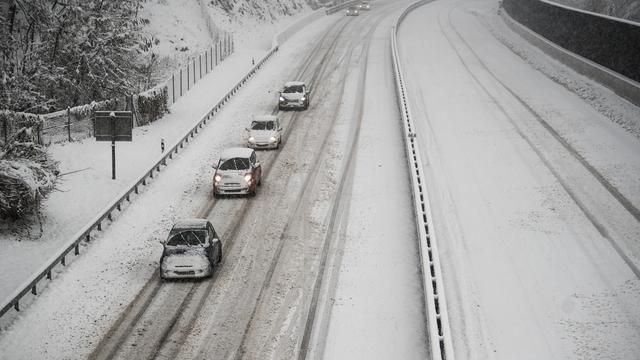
x: 620, y: 198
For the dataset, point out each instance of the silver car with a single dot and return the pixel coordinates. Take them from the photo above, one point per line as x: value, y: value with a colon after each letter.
x: 353, y: 11
x: 238, y: 172
x: 264, y: 133
x: 192, y: 250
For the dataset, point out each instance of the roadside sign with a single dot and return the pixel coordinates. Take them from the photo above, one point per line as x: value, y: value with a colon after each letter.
x: 113, y: 126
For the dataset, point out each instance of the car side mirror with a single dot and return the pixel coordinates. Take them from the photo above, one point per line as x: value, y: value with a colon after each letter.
x: 215, y: 166
x: 162, y: 241
x: 280, y: 128
x: 246, y: 129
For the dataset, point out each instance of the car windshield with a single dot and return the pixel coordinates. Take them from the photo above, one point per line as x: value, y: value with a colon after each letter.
x: 235, y: 164
x: 352, y: 9
x: 189, y: 237
x: 294, y: 89
x: 263, y: 125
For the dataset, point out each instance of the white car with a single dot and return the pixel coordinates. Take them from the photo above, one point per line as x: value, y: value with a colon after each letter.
x: 238, y: 172
x: 265, y: 132
x: 192, y: 250
x: 294, y: 95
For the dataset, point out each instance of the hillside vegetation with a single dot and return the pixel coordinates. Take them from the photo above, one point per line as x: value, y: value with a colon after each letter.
x: 56, y: 54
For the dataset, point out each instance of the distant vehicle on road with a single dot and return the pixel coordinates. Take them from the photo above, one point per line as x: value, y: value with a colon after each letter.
x: 238, y: 172
x: 364, y: 5
x: 353, y: 11
x: 192, y: 250
x: 295, y: 94
x: 264, y: 133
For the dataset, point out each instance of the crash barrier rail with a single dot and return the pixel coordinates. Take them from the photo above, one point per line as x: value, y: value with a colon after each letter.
x: 31, y: 286
x: 339, y: 7
x: 605, y: 40
x: 436, y: 306
x: 77, y: 122
x: 620, y: 84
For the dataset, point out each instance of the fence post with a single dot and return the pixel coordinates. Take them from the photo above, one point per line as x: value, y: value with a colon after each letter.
x: 194, y: 70
x: 206, y: 62
x: 180, y: 81
x: 200, y: 64
x: 173, y: 88
x: 69, y: 124
x: 188, y: 76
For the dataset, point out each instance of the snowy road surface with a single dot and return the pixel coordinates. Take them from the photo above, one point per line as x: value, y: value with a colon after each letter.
x: 268, y: 296
x: 534, y: 193
x: 535, y: 196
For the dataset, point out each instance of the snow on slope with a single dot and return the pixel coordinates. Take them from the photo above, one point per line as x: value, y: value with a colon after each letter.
x: 179, y: 29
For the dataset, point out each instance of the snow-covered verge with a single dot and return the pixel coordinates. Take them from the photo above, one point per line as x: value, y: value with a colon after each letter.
x: 88, y: 190
x: 78, y: 308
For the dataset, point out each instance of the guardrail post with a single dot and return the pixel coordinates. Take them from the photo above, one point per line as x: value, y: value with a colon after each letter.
x: 188, y: 77
x: 76, y: 250
x: 180, y: 82
x: 34, y: 291
x: 173, y: 88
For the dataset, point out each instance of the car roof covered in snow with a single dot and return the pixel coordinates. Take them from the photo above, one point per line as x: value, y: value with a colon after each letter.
x: 265, y: 118
x: 190, y: 224
x: 293, y: 83
x: 239, y: 152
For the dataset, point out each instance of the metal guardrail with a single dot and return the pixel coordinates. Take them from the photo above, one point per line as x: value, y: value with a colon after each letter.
x: 435, y: 302
x: 31, y: 286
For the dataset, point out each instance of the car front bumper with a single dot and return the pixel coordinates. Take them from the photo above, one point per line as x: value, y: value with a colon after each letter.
x: 185, y: 273
x: 223, y: 189
x: 263, y: 145
x: 292, y: 104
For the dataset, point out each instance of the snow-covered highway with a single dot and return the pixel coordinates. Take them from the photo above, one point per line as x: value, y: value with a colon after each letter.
x: 534, y: 188
x: 535, y: 194
x: 263, y: 300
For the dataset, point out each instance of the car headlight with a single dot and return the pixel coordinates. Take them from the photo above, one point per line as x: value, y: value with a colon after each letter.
x: 281, y: 98
x: 303, y: 98
x: 252, y: 139
x: 272, y: 139
x: 247, y: 178
x: 217, y: 178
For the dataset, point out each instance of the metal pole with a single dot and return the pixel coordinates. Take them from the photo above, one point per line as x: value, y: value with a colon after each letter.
x: 113, y: 158
x: 173, y: 88
x: 69, y: 124
x: 113, y: 145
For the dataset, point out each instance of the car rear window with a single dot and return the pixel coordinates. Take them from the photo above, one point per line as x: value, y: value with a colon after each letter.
x: 263, y: 125
x: 235, y: 164
x: 187, y: 237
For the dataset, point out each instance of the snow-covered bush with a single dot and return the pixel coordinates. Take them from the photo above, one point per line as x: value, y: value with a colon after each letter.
x: 27, y: 175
